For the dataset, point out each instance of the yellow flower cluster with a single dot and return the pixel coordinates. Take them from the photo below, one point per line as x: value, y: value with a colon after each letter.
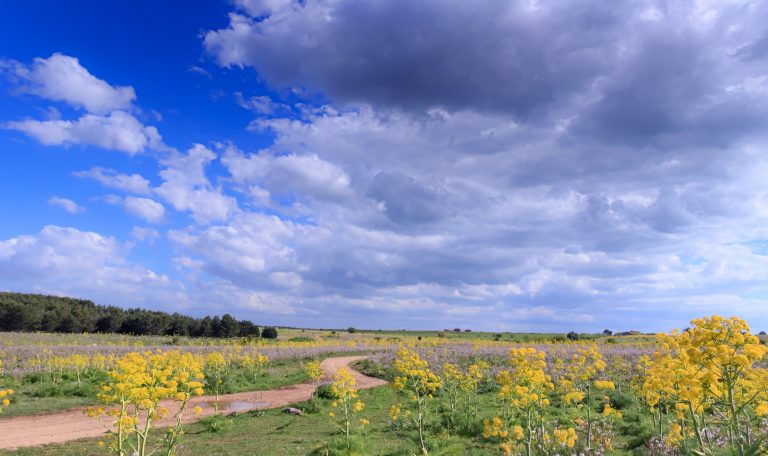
x: 454, y: 381
x: 252, y: 361
x: 4, y: 393
x: 314, y: 371
x: 526, y: 384
x: 4, y: 398
x: 565, y: 437
x: 604, y: 385
x: 419, y: 383
x: 713, y: 369
x: 136, y: 385
x: 496, y: 427
x: 609, y: 411
x: 524, y: 388
x: 344, y: 391
x: 414, y: 375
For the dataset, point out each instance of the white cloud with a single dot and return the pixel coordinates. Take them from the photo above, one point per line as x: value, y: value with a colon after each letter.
x: 264, y: 7
x: 133, y: 183
x: 116, y: 131
x: 306, y: 174
x: 251, y: 246
x: 200, y: 71
x: 144, y: 234
x: 66, y: 204
x: 62, y: 78
x: 108, y: 123
x: 260, y: 104
x: 53, y: 261
x: 145, y: 208
x: 186, y: 187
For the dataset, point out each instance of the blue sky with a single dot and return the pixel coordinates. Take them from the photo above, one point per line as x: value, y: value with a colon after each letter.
x: 508, y: 166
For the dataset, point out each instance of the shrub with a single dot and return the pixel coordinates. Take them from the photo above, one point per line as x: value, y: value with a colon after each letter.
x: 217, y: 423
x: 324, y: 391
x: 270, y: 332
x: 301, y: 339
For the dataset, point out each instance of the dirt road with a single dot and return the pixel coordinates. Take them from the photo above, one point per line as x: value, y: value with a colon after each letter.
x: 27, y: 431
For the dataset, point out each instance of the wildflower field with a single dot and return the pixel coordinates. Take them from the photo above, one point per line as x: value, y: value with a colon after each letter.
x: 703, y: 390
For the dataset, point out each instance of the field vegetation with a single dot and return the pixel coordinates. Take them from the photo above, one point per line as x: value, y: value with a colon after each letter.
x: 703, y: 390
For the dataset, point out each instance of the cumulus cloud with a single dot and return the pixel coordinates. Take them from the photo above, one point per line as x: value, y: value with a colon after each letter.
x: 460, y: 214
x: 186, y: 187
x: 53, y: 261
x: 145, y: 208
x: 118, y: 131
x: 66, y: 204
x: 280, y: 174
x: 131, y: 183
x: 61, y: 78
x: 108, y: 123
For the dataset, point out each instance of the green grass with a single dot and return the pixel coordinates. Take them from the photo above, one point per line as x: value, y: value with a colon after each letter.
x: 35, y: 393
x: 275, y: 433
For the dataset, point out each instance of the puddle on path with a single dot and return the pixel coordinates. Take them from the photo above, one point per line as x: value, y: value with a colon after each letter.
x: 235, y: 406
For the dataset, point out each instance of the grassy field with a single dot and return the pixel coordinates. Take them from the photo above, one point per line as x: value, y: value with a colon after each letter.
x: 260, y: 433
x: 33, y: 394
x: 275, y: 433
x: 39, y: 368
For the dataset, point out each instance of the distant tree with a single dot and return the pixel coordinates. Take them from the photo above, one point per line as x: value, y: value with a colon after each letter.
x: 607, y: 332
x: 205, y: 329
x: 458, y: 330
x: 248, y: 329
x: 179, y: 326
x: 32, y: 312
x: 50, y: 322
x: 216, y: 328
x: 269, y: 332
x: 14, y: 318
x: 229, y: 326
x: 351, y: 330
x: 69, y: 324
x: 468, y: 330
x: 109, y: 319
x: 572, y: 336
x: 763, y: 333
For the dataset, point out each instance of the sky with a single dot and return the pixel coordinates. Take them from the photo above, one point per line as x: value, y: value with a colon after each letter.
x: 516, y: 165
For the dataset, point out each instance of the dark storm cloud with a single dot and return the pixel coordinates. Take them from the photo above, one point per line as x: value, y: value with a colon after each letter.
x: 639, y: 71
x: 495, y: 55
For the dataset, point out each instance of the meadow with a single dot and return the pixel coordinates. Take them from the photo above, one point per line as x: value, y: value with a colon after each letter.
x: 700, y: 391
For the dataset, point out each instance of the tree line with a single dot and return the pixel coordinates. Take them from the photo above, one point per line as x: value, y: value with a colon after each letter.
x: 35, y: 312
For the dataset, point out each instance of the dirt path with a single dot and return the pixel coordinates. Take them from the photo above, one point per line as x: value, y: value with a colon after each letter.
x: 27, y: 431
